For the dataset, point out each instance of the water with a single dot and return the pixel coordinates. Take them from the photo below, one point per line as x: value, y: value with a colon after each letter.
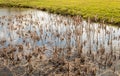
x: 29, y: 30
x: 93, y: 35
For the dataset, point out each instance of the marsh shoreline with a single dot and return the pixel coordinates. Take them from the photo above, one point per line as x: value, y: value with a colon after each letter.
x: 58, y: 12
x: 38, y: 43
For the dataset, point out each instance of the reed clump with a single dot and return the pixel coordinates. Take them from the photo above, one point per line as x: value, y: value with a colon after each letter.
x: 62, y: 46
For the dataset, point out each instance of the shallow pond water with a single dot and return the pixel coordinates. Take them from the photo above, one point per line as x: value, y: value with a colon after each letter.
x: 28, y: 32
x: 48, y: 26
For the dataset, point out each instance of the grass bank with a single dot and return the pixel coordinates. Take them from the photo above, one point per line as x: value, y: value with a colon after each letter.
x: 97, y: 10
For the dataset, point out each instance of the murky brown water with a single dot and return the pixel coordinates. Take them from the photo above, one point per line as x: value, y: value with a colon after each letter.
x: 32, y: 29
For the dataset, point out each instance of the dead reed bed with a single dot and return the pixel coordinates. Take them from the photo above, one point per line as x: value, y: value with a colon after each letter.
x: 42, y: 44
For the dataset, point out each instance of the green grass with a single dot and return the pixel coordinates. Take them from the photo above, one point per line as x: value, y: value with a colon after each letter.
x: 96, y: 10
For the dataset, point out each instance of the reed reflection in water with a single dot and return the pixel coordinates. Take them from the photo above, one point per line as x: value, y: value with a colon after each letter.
x: 46, y: 38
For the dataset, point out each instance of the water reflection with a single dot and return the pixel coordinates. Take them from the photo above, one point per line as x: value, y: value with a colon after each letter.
x: 33, y: 40
x: 53, y: 30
